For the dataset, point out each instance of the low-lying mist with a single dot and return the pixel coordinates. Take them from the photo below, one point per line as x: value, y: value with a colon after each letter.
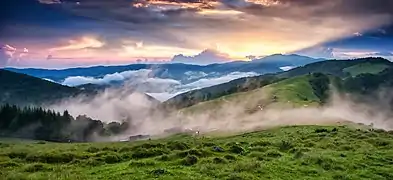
x: 146, y: 117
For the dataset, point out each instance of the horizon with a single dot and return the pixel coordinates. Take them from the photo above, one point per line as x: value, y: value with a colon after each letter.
x: 185, y: 63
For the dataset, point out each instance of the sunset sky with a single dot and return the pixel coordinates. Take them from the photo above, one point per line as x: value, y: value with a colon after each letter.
x: 68, y: 33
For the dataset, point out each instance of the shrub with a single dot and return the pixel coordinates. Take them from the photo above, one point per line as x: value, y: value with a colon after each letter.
x: 261, y: 143
x: 109, y: 149
x: 298, y: 154
x: 4, y: 145
x: 273, y: 154
x: 259, y: 148
x: 255, y: 154
x: 163, y: 158
x: 142, y: 163
x: 112, y: 158
x: 159, y: 172
x: 182, y: 154
x: 199, y: 153
x: 125, y: 149
x: 144, y: 153
x: 35, y: 168
x: 234, y: 177
x: 51, y: 157
x: 93, y: 150
x: 10, y: 163
x: 379, y: 131
x: 149, y: 146
x: 326, y: 163
x: 247, y: 166
x: 236, y: 149
x: 208, y: 144
x: 126, y: 156
x: 20, y: 155
x: 218, y: 160
x: 285, y: 145
x: 321, y: 130
x: 195, y: 152
x: 94, y: 161
x: 101, y: 154
x: 379, y: 142
x: 190, y: 160
x: 308, y: 143
x: 230, y: 157
x: 177, y: 145
x: 346, y: 148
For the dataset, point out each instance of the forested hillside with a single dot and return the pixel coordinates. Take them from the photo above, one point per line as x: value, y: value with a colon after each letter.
x: 41, y: 124
x: 22, y: 89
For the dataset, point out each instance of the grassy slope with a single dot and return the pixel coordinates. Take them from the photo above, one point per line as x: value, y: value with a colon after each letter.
x: 297, y: 91
x: 290, y: 92
x: 300, y: 152
x: 365, y: 68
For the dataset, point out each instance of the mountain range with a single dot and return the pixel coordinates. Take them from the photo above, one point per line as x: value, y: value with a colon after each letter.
x: 177, y: 71
x: 19, y: 88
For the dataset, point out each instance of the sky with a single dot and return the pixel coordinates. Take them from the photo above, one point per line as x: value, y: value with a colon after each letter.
x: 69, y: 33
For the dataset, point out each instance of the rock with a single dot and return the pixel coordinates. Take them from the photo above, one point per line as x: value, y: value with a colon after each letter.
x: 218, y: 149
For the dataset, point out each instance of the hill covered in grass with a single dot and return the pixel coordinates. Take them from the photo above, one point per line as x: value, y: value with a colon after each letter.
x: 16, y: 88
x: 304, y: 90
x: 298, y: 152
x: 342, y: 69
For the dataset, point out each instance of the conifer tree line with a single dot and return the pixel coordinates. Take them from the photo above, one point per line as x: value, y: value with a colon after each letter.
x: 42, y: 124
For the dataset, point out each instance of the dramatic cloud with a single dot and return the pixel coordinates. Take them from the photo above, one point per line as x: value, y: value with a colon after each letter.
x: 124, y: 30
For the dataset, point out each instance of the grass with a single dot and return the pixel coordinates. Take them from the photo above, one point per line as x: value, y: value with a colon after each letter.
x: 371, y: 68
x: 247, y: 99
x: 292, y: 92
x: 297, y: 152
x: 296, y: 91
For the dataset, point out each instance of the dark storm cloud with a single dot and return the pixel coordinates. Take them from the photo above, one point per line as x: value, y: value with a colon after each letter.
x: 73, y: 14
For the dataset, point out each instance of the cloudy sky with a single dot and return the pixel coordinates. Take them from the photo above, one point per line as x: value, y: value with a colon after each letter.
x: 66, y: 33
